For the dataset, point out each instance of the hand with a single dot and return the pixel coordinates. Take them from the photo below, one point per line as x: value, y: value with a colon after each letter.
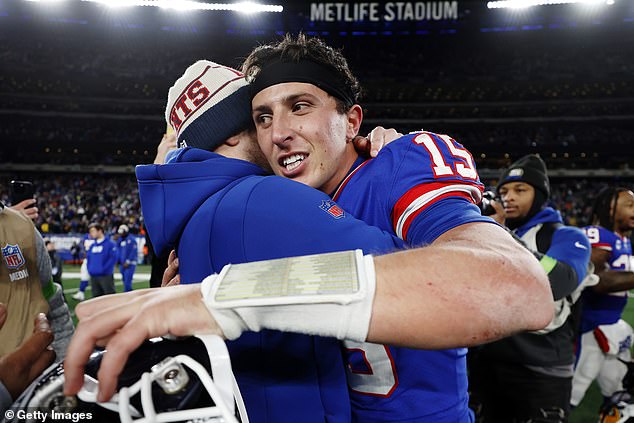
x: 500, y: 215
x: 121, y: 322
x: 375, y: 140
x: 125, y: 265
x: 171, y: 276
x: 23, y: 206
x: 19, y: 368
x: 168, y: 143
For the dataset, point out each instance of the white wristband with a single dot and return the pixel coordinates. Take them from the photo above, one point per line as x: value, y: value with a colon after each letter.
x: 325, y: 294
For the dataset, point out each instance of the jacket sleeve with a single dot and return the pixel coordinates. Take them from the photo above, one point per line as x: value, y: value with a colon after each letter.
x: 566, y: 261
x: 61, y: 323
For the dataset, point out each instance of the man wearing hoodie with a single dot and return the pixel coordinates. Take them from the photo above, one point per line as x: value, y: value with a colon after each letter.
x: 529, y: 375
x: 127, y: 256
x: 101, y: 257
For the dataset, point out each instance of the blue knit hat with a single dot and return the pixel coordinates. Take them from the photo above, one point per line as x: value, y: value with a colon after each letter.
x: 207, y: 105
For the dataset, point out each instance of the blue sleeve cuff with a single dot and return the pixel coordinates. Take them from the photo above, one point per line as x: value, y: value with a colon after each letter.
x: 441, y: 217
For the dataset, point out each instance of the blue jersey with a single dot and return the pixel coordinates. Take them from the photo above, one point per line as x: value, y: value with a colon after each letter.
x: 128, y: 250
x: 101, y: 257
x: 604, y: 309
x: 418, y: 187
x: 219, y: 211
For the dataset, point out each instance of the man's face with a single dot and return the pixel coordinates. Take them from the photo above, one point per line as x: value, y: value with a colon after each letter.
x: 517, y: 198
x: 303, y: 136
x: 94, y: 233
x: 624, y: 214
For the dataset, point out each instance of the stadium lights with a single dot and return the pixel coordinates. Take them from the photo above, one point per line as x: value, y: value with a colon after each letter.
x: 244, y: 7
x: 522, y: 4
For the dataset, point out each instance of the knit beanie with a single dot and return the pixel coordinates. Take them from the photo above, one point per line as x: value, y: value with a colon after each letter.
x: 530, y: 169
x: 207, y: 105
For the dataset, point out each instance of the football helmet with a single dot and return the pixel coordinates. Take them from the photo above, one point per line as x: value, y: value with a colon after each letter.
x: 164, y: 380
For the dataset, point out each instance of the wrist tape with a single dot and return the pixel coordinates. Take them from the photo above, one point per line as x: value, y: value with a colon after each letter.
x: 325, y: 294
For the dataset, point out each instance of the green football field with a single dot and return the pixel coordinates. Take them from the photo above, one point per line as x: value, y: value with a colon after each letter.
x: 587, y: 412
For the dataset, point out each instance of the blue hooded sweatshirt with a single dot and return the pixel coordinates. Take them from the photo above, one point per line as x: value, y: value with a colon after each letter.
x: 215, y: 211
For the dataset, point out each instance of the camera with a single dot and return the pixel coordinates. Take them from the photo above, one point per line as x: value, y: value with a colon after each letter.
x: 486, y: 208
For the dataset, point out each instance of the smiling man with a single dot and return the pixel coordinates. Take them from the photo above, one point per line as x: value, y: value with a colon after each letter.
x: 423, y: 188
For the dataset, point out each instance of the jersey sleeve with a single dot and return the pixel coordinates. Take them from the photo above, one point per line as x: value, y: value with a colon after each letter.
x: 441, y: 217
x: 283, y: 218
x: 432, y: 173
x: 600, y: 238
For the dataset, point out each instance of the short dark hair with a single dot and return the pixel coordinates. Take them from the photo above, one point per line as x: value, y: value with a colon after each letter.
x: 304, y: 48
x: 604, y: 207
x: 96, y: 226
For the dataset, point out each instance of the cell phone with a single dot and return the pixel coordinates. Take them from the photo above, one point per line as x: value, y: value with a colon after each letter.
x: 20, y: 191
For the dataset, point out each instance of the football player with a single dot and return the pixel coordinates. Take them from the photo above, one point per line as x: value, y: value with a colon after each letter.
x: 422, y: 187
x: 127, y: 256
x: 604, y: 337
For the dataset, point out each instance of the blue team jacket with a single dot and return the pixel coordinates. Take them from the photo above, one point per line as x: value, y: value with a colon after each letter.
x: 102, y: 256
x: 216, y: 211
x: 128, y: 250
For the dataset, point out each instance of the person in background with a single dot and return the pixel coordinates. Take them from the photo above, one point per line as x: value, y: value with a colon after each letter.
x: 75, y: 252
x: 605, y: 337
x: 528, y: 376
x: 56, y: 261
x: 101, y: 257
x: 128, y: 256
x: 84, y: 276
x: 26, y: 286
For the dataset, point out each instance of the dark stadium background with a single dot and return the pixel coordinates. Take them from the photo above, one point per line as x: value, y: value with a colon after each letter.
x: 83, y: 87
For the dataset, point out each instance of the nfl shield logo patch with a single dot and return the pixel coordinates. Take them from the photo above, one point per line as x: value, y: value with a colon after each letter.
x: 13, y: 256
x: 332, y: 209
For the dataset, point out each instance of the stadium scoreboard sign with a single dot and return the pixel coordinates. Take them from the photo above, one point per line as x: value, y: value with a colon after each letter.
x: 384, y: 12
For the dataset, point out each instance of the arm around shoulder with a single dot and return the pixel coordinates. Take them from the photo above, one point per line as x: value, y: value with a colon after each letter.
x: 474, y: 284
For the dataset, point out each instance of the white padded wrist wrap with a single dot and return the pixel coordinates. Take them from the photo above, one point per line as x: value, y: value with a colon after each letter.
x: 326, y: 294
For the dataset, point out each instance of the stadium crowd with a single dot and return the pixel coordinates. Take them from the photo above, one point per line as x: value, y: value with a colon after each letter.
x: 70, y: 203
